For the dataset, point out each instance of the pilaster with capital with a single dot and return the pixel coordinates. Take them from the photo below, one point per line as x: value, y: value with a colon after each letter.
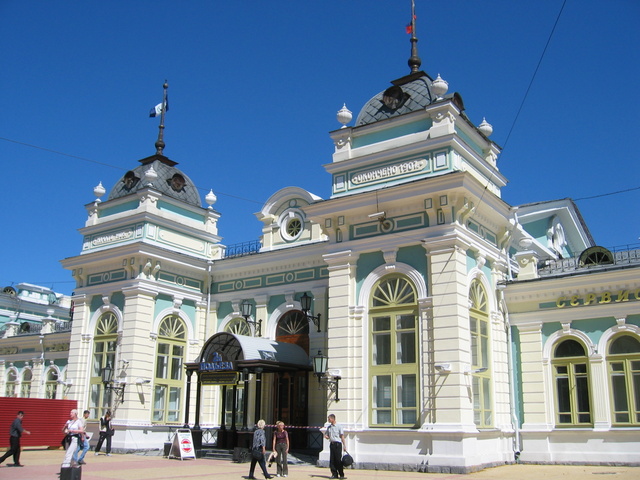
x: 37, y: 381
x: 78, y: 371
x: 449, y: 333
x: 319, y: 307
x: 137, y: 347
x: 344, y: 341
x: 535, y: 405
x: 599, y: 379
x: 261, y: 311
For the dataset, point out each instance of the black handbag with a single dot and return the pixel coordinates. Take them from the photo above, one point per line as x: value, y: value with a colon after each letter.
x: 347, y: 460
x: 256, y: 453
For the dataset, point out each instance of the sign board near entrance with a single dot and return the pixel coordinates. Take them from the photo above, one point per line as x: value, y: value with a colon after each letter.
x: 182, y: 446
x: 221, y: 378
x: 216, y: 364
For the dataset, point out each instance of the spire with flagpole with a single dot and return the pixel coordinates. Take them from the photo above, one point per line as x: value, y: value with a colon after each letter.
x: 414, y: 60
x: 161, y: 109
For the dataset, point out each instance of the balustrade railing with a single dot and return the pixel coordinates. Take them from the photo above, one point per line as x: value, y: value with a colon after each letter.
x: 624, y: 255
x: 242, y: 249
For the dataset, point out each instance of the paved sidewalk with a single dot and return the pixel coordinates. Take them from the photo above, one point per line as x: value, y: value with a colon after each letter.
x: 45, y: 465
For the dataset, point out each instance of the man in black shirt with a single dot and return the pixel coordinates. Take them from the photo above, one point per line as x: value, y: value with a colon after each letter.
x: 15, y: 433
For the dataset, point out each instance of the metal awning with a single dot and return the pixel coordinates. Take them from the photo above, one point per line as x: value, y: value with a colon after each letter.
x: 252, y: 353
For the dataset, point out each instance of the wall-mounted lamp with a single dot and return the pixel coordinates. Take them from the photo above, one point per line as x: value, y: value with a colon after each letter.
x: 66, y: 384
x: 247, y: 309
x: 305, y: 303
x: 320, y: 362
x: 385, y: 224
x: 443, y: 368
x: 109, y: 384
x: 476, y: 370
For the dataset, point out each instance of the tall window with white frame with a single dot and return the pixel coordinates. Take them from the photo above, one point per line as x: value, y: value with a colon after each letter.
x: 571, y: 378
x: 393, y: 368
x: 623, y: 363
x: 51, y: 385
x: 104, y: 353
x: 25, y: 386
x: 169, y: 382
x: 12, y: 379
x: 480, y: 355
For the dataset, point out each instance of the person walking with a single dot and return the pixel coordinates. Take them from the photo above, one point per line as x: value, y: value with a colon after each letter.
x: 335, y: 435
x: 281, y: 448
x: 83, y: 445
x: 73, y: 428
x: 15, y: 432
x: 106, y: 432
x: 258, y: 450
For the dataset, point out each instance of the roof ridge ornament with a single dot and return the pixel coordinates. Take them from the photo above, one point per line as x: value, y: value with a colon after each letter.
x: 439, y: 87
x: 414, y: 60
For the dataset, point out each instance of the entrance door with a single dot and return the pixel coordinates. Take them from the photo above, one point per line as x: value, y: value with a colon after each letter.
x: 291, y: 389
x: 290, y: 405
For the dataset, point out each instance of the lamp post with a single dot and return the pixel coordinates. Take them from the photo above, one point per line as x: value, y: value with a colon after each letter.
x: 305, y: 303
x: 107, y: 381
x: 247, y: 309
x: 320, y: 363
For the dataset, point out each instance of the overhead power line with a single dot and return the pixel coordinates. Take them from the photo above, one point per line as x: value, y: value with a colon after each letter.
x: 85, y: 159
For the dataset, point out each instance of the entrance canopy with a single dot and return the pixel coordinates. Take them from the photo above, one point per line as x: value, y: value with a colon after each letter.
x: 251, y: 353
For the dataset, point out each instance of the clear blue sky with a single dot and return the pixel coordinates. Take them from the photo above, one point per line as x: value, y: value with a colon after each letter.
x: 255, y: 87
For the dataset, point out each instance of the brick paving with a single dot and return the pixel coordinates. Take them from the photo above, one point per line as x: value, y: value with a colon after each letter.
x: 41, y: 464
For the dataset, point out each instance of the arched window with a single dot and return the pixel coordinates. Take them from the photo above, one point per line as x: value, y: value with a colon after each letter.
x: 480, y: 364
x: 25, y: 387
x: 623, y: 362
x: 104, y: 353
x: 393, y: 368
x: 238, y: 326
x: 51, y: 385
x: 168, y: 382
x: 571, y: 379
x: 293, y: 327
x: 12, y: 379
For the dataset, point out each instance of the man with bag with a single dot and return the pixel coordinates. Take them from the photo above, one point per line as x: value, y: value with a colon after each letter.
x: 106, y: 432
x: 74, y: 429
x: 335, y: 435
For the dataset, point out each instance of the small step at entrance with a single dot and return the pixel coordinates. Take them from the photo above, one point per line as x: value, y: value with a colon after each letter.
x: 217, y: 454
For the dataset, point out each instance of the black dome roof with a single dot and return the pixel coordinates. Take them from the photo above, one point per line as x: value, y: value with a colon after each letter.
x: 408, y: 94
x: 170, y: 181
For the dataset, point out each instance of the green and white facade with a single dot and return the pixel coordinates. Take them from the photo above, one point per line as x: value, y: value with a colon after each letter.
x: 458, y: 341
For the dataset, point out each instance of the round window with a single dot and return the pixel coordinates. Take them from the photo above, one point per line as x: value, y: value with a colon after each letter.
x: 291, y: 226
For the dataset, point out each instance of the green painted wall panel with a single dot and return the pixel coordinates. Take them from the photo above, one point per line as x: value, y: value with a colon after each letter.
x: 117, y: 298
x: 395, y: 132
x: 367, y: 263
x: 414, y: 256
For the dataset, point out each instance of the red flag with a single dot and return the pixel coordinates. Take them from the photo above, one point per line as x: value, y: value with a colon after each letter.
x: 409, y: 27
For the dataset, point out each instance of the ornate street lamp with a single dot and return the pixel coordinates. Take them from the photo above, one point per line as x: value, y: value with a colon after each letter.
x: 109, y: 386
x: 305, y: 303
x: 247, y: 309
x: 320, y: 363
